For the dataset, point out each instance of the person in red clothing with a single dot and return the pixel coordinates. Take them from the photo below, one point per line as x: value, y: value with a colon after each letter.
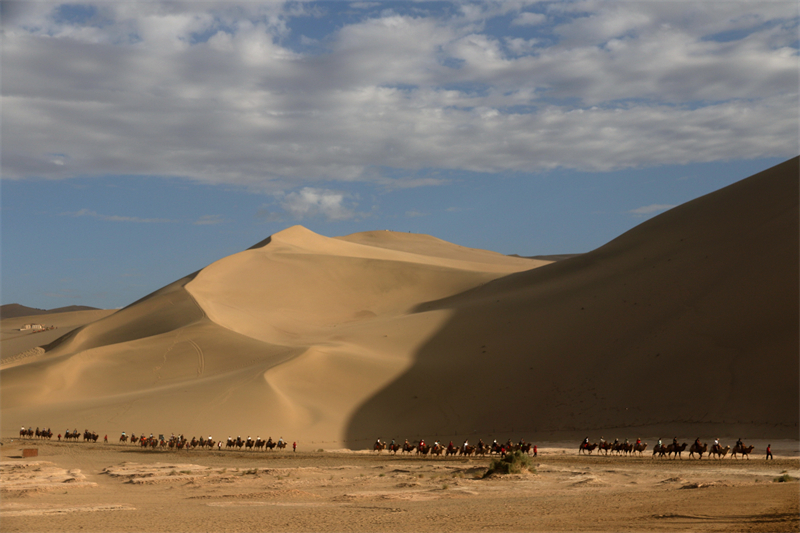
x: 769, y: 452
x: 294, y: 446
x: 105, y: 439
x: 535, y: 450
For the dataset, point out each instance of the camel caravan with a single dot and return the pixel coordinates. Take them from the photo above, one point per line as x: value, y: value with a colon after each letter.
x: 47, y: 434
x: 180, y: 442
x: 437, y: 449
x: 466, y: 449
x: 669, y: 451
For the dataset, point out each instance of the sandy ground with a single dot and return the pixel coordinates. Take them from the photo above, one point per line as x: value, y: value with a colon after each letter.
x: 115, y: 487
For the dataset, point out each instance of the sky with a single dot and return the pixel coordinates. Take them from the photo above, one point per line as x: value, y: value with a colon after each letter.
x: 142, y: 141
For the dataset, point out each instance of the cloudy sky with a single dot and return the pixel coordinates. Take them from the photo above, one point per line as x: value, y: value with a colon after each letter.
x: 142, y: 141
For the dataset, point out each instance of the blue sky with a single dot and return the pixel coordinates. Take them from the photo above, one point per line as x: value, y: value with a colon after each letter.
x: 142, y: 141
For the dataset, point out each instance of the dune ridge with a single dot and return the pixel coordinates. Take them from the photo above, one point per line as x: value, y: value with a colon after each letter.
x: 687, y: 324
x: 289, y: 336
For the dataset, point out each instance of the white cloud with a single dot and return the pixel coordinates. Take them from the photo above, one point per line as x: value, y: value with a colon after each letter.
x: 117, y: 218
x: 209, y: 220
x: 650, y: 209
x: 529, y: 19
x: 310, y: 203
x: 135, y: 91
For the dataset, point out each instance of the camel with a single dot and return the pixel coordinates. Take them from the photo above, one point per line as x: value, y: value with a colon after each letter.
x: 270, y: 444
x: 659, y: 449
x: 481, y: 449
x: 676, y: 450
x: 626, y: 448
x: 719, y: 451
x: 587, y: 448
x: 123, y: 438
x: 605, y: 447
x: 640, y: 447
x: 745, y: 451
x: 408, y: 448
x: 699, y: 450
x: 379, y: 446
x: 281, y: 444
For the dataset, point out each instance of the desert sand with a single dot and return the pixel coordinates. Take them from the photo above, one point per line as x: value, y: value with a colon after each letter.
x: 685, y: 326
x: 114, y: 487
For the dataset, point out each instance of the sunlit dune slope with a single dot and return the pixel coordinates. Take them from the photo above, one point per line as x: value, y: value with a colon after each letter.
x: 686, y: 325
x: 286, y: 338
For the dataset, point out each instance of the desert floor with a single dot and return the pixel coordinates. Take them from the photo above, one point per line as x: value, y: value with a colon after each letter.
x: 115, y: 487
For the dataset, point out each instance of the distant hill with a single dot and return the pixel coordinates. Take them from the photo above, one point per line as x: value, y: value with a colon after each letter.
x: 17, y: 310
x: 554, y: 258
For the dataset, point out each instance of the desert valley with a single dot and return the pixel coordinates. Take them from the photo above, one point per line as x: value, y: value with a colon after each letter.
x: 686, y: 326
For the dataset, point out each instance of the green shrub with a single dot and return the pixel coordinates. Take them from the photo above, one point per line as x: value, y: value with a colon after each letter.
x: 784, y: 478
x: 512, y: 463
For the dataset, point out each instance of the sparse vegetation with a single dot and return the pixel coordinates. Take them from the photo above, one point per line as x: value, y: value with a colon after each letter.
x: 511, y: 463
x: 784, y: 478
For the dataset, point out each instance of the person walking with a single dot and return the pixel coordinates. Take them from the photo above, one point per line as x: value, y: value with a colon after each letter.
x: 769, y: 452
x: 294, y: 446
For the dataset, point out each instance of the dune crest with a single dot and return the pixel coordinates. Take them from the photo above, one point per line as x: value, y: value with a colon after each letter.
x: 289, y: 336
x: 687, y: 324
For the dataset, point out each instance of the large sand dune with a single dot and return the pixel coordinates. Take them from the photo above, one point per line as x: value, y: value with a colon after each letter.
x: 286, y: 338
x: 686, y: 324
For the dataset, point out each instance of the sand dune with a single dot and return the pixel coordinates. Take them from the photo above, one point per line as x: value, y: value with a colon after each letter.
x: 286, y: 338
x: 687, y: 324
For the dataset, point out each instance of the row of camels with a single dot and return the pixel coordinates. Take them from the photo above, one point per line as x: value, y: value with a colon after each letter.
x: 437, y: 449
x: 673, y: 450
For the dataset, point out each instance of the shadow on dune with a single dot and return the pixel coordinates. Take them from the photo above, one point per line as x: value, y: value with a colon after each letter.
x: 687, y: 325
